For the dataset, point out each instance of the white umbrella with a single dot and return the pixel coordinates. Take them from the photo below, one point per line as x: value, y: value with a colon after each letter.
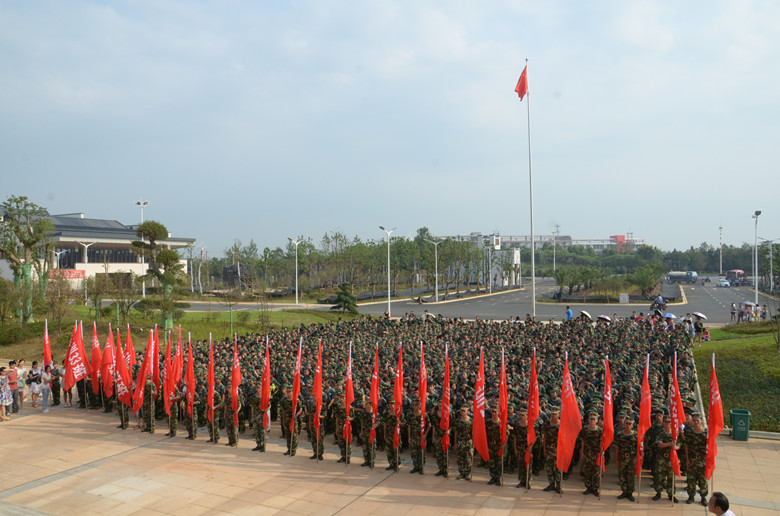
x: 605, y: 318
x: 700, y: 315
x: 586, y: 314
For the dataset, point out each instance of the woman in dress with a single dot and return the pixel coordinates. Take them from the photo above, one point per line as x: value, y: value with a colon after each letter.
x: 6, y: 399
x: 34, y: 381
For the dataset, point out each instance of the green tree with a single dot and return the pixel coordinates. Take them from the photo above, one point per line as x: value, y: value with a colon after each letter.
x: 646, y: 278
x: 345, y: 301
x: 164, y: 264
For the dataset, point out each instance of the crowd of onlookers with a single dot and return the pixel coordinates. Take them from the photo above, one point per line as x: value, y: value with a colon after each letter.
x: 19, y: 384
x: 748, y: 312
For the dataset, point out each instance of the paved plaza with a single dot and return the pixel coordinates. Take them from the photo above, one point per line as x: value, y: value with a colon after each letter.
x: 73, y: 461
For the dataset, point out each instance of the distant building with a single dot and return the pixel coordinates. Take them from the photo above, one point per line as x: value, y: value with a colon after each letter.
x: 85, y: 247
x: 619, y: 243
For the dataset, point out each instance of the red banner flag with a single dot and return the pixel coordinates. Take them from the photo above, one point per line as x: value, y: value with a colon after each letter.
x: 235, y: 380
x: 76, y: 363
x: 97, y: 359
x: 645, y: 406
x: 422, y: 393
x: 265, y: 388
x: 533, y: 410
x: 608, y: 432
x: 374, y: 396
x: 444, y: 423
x: 190, y: 378
x: 678, y: 416
x: 522, y: 84
x: 349, y: 395
x: 296, y: 392
x: 129, y: 351
x: 398, y: 396
x: 478, y: 433
x: 46, y: 345
x: 178, y: 361
x: 140, y: 381
x: 714, y: 422
x: 317, y: 391
x: 107, y: 364
x: 571, y: 421
x: 124, y: 381
x: 155, y: 370
x: 503, y: 403
x: 210, y: 379
x: 167, y: 377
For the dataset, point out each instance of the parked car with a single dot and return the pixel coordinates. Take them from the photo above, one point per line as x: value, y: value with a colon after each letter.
x: 722, y: 283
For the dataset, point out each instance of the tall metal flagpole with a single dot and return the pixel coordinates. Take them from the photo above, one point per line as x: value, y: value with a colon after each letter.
x: 531, y: 189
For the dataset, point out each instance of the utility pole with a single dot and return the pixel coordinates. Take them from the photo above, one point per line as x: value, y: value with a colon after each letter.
x: 720, y: 271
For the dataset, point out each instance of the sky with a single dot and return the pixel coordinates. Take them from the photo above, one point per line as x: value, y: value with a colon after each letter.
x: 267, y: 120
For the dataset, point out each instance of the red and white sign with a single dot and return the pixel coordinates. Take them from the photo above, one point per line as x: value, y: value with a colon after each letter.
x: 66, y: 274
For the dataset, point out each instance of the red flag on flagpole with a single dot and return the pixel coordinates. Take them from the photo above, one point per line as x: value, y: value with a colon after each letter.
x: 571, y: 421
x: 714, y: 422
x: 190, y: 378
x: 478, y: 433
x: 46, y: 345
x: 76, y: 363
x: 235, y: 380
x: 522, y: 84
x: 129, y: 351
x: 677, y: 414
x: 349, y: 395
x: 374, y: 396
x: 123, y: 377
x: 503, y: 403
x: 167, y: 385
x: 444, y: 423
x: 265, y: 388
x: 422, y: 393
x: 97, y: 358
x: 155, y: 370
x: 645, y: 406
x: 608, y: 432
x: 533, y: 410
x: 210, y: 379
x: 178, y: 361
x: 317, y: 391
x: 398, y: 397
x: 107, y: 364
x: 140, y: 382
x: 296, y: 392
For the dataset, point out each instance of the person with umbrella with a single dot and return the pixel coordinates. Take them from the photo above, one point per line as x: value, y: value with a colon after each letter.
x: 698, y: 326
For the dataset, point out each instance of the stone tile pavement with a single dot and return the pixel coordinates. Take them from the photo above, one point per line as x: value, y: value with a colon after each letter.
x: 71, y: 461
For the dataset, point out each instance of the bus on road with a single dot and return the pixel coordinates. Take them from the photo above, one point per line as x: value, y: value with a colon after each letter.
x: 736, y: 277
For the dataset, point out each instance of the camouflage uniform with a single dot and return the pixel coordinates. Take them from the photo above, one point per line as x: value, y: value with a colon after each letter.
x: 214, y: 425
x: 292, y: 437
x: 696, y: 447
x: 192, y: 422
x: 662, y: 479
x: 257, y: 422
x: 591, y: 447
x: 493, y: 432
x: 465, y: 446
x: 520, y: 434
x: 345, y: 447
x: 415, y: 445
x: 150, y: 391
x: 56, y: 386
x: 285, y: 414
x: 173, y: 419
x: 123, y: 417
x: 550, y: 433
x: 441, y: 457
x: 388, y: 422
x: 365, y: 419
x: 317, y: 447
x: 626, y: 452
x: 230, y: 426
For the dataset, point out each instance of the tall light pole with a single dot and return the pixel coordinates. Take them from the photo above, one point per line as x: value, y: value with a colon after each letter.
x: 296, y: 242
x: 388, y: 231
x: 436, y: 261
x: 142, y: 204
x: 58, y: 253
x: 755, y: 265
x: 720, y: 272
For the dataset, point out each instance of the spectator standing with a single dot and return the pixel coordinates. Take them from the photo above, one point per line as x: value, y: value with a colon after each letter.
x: 21, y: 374
x: 45, y: 388
x: 6, y: 399
x: 569, y: 313
x: 34, y: 381
x: 13, y: 385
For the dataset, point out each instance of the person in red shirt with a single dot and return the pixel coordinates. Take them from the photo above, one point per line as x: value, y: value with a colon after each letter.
x: 13, y: 384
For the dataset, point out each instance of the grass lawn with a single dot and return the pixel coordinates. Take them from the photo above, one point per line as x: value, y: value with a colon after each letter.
x: 748, y: 369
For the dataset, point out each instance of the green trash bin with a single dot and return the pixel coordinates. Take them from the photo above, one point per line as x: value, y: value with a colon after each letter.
x: 740, y: 424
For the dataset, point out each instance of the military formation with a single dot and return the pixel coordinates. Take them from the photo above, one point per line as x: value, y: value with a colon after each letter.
x: 627, y: 342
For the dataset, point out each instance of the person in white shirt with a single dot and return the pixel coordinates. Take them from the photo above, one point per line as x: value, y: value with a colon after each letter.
x: 719, y: 505
x: 45, y: 388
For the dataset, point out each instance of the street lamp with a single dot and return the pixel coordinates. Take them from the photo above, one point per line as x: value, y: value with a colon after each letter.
x: 436, y: 261
x: 296, y: 242
x: 58, y: 253
x: 755, y: 265
x: 142, y: 204
x: 720, y: 270
x: 388, y: 231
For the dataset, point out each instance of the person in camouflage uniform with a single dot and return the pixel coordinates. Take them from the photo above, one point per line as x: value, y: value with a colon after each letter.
x: 550, y: 444
x: 294, y: 421
x: 192, y: 421
x: 56, y: 384
x: 388, y: 424
x: 493, y: 432
x: 366, y: 419
x: 510, y: 458
x: 415, y: 439
x: 285, y: 412
x: 340, y: 414
x: 124, y: 418
x: 202, y: 394
x: 695, y: 438
x: 317, y: 446
x: 520, y: 440
x: 464, y: 443
x: 257, y: 420
x: 214, y: 424
x: 230, y: 426
x: 438, y: 435
x: 591, y: 448
x: 173, y: 419
x: 626, y: 444
x: 150, y: 391
x: 650, y: 442
x: 663, y: 461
